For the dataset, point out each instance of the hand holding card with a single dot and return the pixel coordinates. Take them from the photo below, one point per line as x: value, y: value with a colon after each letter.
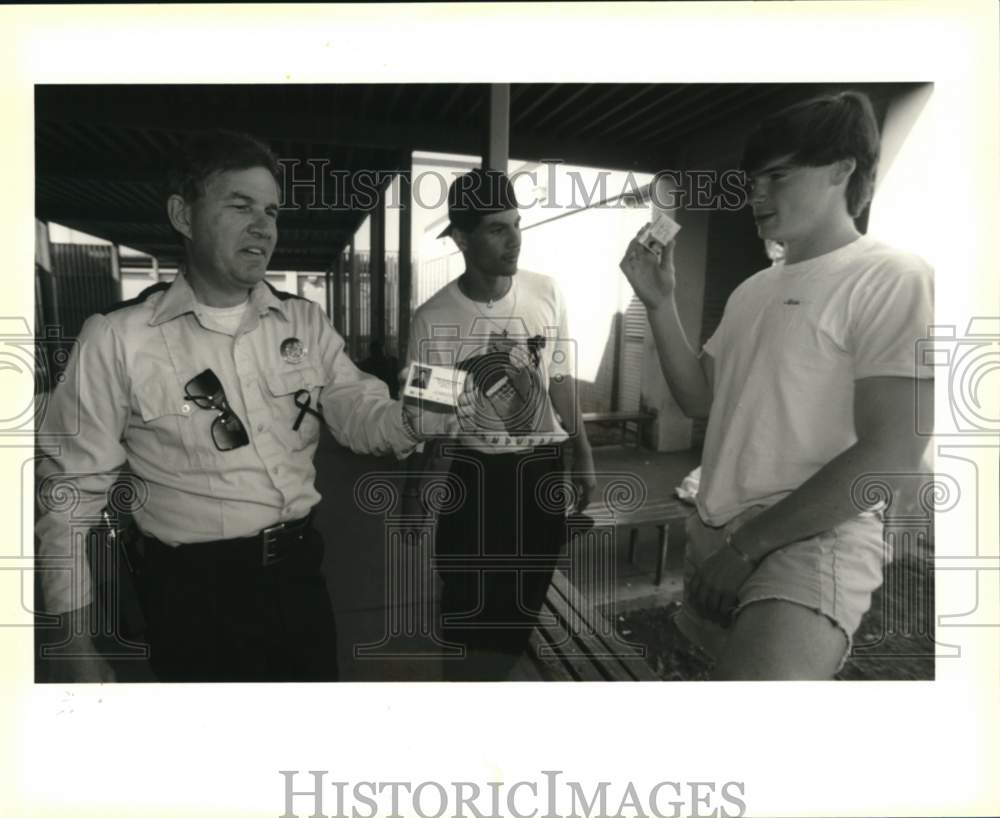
x: 658, y: 233
x: 437, y: 396
x: 650, y: 273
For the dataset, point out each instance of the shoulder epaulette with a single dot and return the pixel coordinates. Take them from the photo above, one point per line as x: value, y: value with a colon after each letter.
x: 281, y: 295
x: 132, y: 302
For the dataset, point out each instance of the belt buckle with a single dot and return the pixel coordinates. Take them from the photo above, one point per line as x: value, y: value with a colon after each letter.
x: 269, y: 541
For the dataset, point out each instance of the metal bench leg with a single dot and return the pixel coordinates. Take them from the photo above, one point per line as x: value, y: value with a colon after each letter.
x: 661, y: 558
x: 633, y: 541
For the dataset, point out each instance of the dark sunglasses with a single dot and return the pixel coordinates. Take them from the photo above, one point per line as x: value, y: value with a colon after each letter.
x: 228, y: 431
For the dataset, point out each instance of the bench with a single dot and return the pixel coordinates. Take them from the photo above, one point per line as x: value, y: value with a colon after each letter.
x: 662, y: 513
x: 639, y: 419
x: 575, y: 643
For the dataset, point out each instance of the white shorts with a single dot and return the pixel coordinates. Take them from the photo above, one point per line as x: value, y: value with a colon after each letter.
x: 833, y: 573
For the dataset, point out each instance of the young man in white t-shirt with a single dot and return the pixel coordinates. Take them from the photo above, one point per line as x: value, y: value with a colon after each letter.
x: 810, y: 383
x: 508, y: 329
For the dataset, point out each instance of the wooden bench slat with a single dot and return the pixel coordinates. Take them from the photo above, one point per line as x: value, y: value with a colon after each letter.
x: 668, y: 515
x: 578, y: 649
x: 660, y: 510
x: 550, y: 668
x: 632, y: 667
x: 616, y: 417
x: 640, y: 419
x: 607, y: 667
x: 582, y: 668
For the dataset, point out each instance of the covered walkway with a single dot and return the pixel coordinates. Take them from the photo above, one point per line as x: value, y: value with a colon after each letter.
x: 99, y: 160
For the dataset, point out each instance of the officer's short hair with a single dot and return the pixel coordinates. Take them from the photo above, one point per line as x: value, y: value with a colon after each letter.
x: 215, y: 151
x: 822, y: 131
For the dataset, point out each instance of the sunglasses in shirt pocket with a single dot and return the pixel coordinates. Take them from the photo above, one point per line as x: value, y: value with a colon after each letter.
x: 164, y: 435
x: 286, y: 392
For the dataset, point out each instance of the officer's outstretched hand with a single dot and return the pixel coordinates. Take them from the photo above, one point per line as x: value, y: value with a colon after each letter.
x: 433, y: 422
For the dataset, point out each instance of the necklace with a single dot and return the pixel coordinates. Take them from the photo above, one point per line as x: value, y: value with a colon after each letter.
x: 489, y: 305
x: 463, y: 284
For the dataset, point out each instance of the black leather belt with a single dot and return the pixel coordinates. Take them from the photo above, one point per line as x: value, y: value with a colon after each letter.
x: 271, y: 546
x: 276, y: 541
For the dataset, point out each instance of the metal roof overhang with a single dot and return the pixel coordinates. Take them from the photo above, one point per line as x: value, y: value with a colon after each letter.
x: 100, y: 151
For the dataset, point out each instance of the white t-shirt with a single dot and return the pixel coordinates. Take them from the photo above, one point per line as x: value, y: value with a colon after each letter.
x: 793, y: 340
x: 226, y: 319
x: 450, y: 328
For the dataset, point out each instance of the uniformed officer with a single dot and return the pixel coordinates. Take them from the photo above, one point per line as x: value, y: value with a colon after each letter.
x: 212, y: 389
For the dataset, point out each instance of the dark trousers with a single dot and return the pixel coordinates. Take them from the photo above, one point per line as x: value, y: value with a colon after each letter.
x: 496, y: 555
x: 215, y: 614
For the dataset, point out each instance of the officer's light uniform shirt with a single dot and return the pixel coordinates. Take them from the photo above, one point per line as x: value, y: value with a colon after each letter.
x: 123, y: 400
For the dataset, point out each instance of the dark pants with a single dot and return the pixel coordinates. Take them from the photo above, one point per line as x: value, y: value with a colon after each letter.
x: 496, y: 555
x: 215, y: 614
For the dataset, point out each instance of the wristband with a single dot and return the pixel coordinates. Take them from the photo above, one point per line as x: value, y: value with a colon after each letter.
x: 742, y: 554
x: 408, y: 426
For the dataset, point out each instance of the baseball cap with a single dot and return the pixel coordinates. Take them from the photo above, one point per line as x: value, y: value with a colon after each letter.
x: 476, y: 194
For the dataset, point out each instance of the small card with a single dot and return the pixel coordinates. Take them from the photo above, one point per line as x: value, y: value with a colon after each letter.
x: 658, y: 233
x: 436, y: 387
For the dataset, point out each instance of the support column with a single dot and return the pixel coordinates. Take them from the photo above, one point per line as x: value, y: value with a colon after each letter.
x: 497, y: 150
x: 355, y: 300
x: 116, y: 271
x: 376, y: 272
x: 405, y: 254
x: 337, y: 296
x: 328, y: 275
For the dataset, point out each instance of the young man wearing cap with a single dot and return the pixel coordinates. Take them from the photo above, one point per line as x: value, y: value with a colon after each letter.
x: 213, y: 390
x: 809, y: 385
x: 508, y: 329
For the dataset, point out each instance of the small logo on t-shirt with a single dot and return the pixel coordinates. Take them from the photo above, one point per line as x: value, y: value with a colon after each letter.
x: 792, y: 302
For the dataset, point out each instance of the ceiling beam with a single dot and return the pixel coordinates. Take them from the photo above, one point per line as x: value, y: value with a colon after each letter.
x: 326, y: 128
x: 320, y: 124
x: 310, y: 221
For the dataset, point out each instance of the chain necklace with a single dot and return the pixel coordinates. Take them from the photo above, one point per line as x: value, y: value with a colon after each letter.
x: 489, y: 305
x: 490, y: 301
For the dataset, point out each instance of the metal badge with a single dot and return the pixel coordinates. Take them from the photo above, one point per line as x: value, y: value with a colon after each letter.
x: 292, y: 350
